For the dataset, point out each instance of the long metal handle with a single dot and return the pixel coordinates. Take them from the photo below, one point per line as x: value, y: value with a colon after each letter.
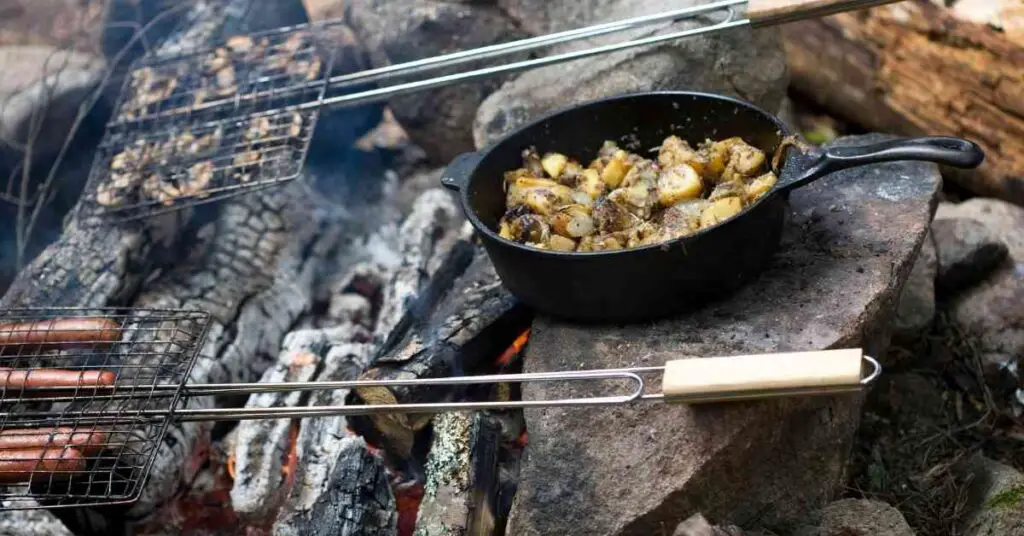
x: 772, y: 12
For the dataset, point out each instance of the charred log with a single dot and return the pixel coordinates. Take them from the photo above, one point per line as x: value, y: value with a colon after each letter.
x: 464, y: 334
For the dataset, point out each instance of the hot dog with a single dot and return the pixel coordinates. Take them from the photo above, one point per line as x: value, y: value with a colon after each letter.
x: 36, y: 438
x: 17, y: 379
x: 59, y: 333
x: 21, y: 465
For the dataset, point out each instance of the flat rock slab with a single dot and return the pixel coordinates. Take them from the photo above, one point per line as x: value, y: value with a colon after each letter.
x: 642, y: 469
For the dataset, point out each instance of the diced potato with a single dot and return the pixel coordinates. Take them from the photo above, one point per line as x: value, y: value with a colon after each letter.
x: 590, y: 183
x: 745, y: 159
x: 571, y: 173
x: 642, y: 170
x: 620, y: 155
x: 728, y: 189
x: 582, y: 198
x: 505, y: 230
x: 543, y: 196
x: 678, y: 183
x: 529, y: 228
x: 607, y: 149
x: 720, y: 211
x: 561, y: 243
x: 675, y: 151
x: 531, y: 161
x: 614, y: 172
x: 638, y: 199
x: 610, y: 216
x: 573, y: 221
x: 717, y: 155
x: 554, y: 164
x: 760, y: 186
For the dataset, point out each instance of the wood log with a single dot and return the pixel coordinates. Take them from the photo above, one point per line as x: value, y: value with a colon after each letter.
x: 461, y: 477
x: 915, y: 68
x: 464, y: 334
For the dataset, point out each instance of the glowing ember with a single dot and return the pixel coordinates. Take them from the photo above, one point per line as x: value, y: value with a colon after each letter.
x: 407, y: 501
x: 230, y: 466
x: 512, y: 351
x: 291, y: 458
x: 522, y: 440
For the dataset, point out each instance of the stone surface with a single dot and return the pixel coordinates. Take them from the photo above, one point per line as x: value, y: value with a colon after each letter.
x: 396, y: 31
x: 916, y: 308
x: 860, y: 517
x: 967, y: 251
x: 40, y: 93
x: 991, y: 310
x: 697, y: 525
x: 630, y: 470
x: 746, y: 64
x: 995, y: 500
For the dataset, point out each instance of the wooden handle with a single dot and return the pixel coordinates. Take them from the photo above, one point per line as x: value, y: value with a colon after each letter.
x: 771, y: 12
x: 742, y: 377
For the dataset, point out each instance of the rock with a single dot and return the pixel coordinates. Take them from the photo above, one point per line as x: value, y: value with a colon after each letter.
x: 745, y: 64
x: 990, y: 312
x: 995, y: 499
x: 697, y: 525
x: 860, y: 517
x: 967, y: 251
x: 396, y: 31
x: 631, y: 470
x: 916, y: 308
x: 41, y: 91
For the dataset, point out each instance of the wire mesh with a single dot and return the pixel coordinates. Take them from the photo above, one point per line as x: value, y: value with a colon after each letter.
x: 208, y: 125
x: 78, y: 392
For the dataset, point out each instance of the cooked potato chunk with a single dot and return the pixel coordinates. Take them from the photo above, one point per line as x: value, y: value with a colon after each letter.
x: 529, y: 228
x: 745, y: 159
x: 675, y: 151
x: 638, y: 199
x: 554, y: 164
x: 591, y: 184
x: 614, y: 171
x: 760, y: 186
x: 610, y: 216
x: 573, y: 221
x: 678, y: 183
x: 720, y: 211
x: 561, y: 243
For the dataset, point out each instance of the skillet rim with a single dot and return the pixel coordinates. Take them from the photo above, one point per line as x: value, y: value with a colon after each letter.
x: 471, y: 214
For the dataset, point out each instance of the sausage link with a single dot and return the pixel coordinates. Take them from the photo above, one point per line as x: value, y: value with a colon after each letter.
x: 17, y: 379
x: 24, y: 465
x: 61, y: 333
x: 36, y: 438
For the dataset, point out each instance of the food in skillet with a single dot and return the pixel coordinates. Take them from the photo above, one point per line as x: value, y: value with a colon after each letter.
x: 623, y: 200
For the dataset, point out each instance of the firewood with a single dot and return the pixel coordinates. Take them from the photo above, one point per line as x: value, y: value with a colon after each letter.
x: 915, y: 68
x: 464, y: 334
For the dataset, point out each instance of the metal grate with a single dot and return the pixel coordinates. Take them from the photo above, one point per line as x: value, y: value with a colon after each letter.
x: 208, y: 125
x: 81, y: 413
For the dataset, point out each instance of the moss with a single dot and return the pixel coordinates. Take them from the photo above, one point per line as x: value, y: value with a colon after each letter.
x: 1007, y: 498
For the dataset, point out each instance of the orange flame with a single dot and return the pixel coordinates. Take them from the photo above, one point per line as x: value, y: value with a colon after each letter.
x: 291, y: 458
x: 231, y: 466
x: 512, y: 351
x: 523, y: 439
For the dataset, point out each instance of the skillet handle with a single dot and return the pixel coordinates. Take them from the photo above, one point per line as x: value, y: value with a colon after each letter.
x: 459, y: 170
x: 951, y: 151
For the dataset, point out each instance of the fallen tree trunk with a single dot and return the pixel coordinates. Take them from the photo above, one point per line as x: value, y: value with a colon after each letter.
x: 915, y: 68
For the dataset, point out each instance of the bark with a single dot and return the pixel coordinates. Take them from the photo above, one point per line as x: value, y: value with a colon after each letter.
x: 462, y: 477
x: 466, y: 332
x: 915, y: 68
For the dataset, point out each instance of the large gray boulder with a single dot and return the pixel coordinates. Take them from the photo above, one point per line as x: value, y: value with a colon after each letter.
x: 742, y: 63
x: 635, y: 469
x: 995, y: 505
x: 397, y: 31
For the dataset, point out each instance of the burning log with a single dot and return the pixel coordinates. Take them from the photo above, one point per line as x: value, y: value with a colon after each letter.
x: 917, y: 68
x: 474, y: 322
x: 462, y: 477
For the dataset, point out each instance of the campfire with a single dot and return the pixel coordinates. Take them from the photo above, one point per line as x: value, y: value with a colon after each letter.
x: 359, y: 266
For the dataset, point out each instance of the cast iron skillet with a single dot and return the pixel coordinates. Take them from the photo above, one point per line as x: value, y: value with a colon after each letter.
x: 658, y: 280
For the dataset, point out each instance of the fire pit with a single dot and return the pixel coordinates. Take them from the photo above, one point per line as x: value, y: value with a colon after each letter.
x: 331, y: 278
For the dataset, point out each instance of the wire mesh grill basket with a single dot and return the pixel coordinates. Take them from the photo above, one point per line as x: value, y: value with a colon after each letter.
x: 201, y: 127
x: 86, y: 398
